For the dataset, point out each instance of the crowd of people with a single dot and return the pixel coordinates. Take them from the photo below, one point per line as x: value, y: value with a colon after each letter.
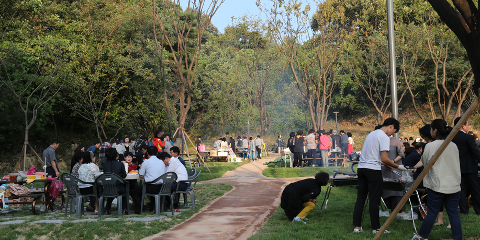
x: 252, y: 146
x: 321, y: 148
x: 150, y: 158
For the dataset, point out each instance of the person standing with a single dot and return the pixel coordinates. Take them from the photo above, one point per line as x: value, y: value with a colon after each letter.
x: 335, y: 144
x: 469, y: 159
x: 344, y: 143
x: 94, y: 148
x: 197, y: 143
x: 392, y: 198
x: 258, y: 146
x: 158, y: 140
x: 128, y: 146
x: 442, y: 181
x: 245, y: 143
x: 120, y: 148
x: 291, y: 147
x: 298, y: 150
x: 324, y: 146
x: 374, y: 153
x: 168, y: 144
x: 50, y: 158
x: 312, y: 147
x: 138, y: 149
x: 350, y: 143
x: 103, y: 148
x: 279, y: 145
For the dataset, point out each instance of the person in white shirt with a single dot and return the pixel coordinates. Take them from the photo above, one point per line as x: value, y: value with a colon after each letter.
x: 374, y: 153
x: 87, y: 172
x: 151, y: 169
x: 174, y: 165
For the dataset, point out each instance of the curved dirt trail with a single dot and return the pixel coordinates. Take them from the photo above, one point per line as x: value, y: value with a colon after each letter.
x: 237, y: 214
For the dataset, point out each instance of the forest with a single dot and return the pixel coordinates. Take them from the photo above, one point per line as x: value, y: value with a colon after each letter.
x: 90, y: 70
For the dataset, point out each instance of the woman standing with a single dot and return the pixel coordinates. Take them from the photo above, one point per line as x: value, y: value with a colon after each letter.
x: 442, y: 181
x: 158, y: 141
x: 350, y: 143
x: 128, y: 146
x: 120, y: 149
x: 291, y: 146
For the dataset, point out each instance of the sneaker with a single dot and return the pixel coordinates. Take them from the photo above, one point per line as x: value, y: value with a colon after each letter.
x: 376, y: 231
x: 297, y: 219
x: 356, y: 230
x: 416, y: 237
x: 305, y: 219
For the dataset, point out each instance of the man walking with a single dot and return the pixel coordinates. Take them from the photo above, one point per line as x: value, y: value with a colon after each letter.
x: 469, y: 159
x: 374, y: 153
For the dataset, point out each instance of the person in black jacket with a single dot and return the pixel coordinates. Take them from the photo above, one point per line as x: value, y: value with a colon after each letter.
x: 299, y: 198
x: 413, y: 158
x: 114, y: 166
x: 469, y: 159
x: 298, y: 149
x: 291, y: 147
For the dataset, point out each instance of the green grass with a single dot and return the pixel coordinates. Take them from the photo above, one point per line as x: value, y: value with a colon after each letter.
x: 217, y: 169
x: 120, y: 229
x: 337, y: 223
x: 279, y: 171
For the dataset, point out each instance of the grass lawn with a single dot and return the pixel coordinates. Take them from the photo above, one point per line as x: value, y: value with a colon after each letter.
x: 120, y: 229
x: 217, y: 169
x: 337, y: 223
x: 274, y: 170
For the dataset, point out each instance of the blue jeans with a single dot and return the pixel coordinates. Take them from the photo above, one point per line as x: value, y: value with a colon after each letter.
x: 434, y: 203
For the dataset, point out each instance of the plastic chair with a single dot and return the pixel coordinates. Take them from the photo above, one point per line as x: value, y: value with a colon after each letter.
x: 107, y: 188
x: 73, y: 192
x: 191, y: 172
x: 191, y: 182
x: 166, y: 190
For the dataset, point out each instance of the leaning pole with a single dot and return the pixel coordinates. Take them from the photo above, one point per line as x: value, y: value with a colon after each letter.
x: 429, y: 166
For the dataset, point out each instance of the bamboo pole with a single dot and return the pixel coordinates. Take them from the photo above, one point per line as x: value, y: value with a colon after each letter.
x: 429, y: 166
x: 198, y: 154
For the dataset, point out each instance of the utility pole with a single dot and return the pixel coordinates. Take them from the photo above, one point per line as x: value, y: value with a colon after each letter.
x: 392, y: 64
x: 336, y: 125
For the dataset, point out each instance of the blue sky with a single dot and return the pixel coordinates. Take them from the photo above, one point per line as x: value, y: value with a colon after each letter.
x: 238, y: 8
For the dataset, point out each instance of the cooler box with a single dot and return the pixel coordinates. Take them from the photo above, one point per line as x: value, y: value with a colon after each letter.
x: 213, y: 153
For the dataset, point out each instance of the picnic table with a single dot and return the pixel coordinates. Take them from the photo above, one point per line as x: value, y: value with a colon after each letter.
x: 37, y: 196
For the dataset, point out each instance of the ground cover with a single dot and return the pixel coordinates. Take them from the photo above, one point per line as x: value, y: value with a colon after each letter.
x: 278, y: 170
x: 337, y: 223
x: 217, y: 169
x: 119, y: 229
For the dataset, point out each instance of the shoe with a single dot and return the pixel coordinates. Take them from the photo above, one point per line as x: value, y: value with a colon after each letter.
x: 356, y: 230
x: 376, y: 231
x: 89, y: 209
x: 125, y: 212
x: 107, y: 212
x: 95, y: 213
x: 416, y: 237
x: 297, y: 219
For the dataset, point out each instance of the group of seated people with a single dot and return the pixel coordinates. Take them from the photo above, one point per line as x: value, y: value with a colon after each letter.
x: 155, y: 165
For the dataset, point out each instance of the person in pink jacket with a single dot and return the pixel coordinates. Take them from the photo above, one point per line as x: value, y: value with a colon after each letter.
x: 324, y: 146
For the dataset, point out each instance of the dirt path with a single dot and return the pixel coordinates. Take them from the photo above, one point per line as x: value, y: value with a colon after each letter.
x: 237, y: 214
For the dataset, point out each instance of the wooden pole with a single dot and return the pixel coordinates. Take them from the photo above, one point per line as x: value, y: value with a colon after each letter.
x: 429, y: 166
x: 198, y: 154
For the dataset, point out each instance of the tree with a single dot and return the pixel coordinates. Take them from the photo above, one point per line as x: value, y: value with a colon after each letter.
x: 182, y: 32
x: 465, y: 23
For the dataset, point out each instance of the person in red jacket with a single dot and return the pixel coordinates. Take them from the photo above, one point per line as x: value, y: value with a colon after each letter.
x: 158, y: 140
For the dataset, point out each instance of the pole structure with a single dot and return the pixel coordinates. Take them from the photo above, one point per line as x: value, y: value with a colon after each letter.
x: 429, y: 166
x: 336, y: 126
x: 392, y: 64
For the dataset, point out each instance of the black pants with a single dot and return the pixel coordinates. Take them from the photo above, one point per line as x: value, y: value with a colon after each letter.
x: 138, y: 158
x: 121, y: 190
x: 369, y: 183
x: 137, y: 194
x: 259, y: 152
x: 297, y: 159
x: 89, y: 190
x: 470, y: 185
x: 51, y: 172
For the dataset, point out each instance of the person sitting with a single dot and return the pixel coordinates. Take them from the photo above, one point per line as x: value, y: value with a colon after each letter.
x: 217, y: 143
x: 131, y: 165
x: 114, y: 166
x: 175, y: 153
x: 77, y: 154
x: 151, y: 169
x: 299, y: 198
x: 174, y: 165
x: 87, y: 173
x: 78, y: 158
